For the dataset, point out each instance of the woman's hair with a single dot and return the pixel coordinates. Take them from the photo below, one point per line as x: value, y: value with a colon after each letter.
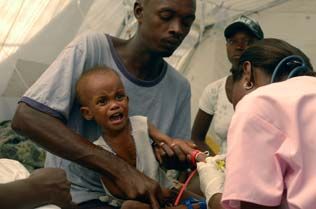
x: 266, y: 55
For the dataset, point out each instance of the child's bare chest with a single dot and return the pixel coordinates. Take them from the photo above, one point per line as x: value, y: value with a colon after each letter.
x: 125, y: 148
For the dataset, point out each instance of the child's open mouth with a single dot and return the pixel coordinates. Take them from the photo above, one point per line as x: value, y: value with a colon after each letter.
x: 117, y: 117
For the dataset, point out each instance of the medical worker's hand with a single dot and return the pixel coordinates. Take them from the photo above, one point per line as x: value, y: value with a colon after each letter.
x: 212, y: 175
x: 53, y: 186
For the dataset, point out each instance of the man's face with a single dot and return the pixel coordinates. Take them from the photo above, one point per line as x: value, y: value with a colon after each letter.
x: 236, y: 45
x: 163, y: 24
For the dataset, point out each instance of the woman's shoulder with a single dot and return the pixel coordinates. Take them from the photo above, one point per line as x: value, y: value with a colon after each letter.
x: 214, y: 87
x: 217, y: 83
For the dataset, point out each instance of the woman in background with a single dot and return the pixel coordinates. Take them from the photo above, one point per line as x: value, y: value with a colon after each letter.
x: 214, y: 105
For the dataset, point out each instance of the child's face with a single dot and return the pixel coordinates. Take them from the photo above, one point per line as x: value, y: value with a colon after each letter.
x: 107, y: 102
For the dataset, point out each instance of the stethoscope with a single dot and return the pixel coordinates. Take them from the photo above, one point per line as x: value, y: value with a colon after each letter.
x: 288, y: 61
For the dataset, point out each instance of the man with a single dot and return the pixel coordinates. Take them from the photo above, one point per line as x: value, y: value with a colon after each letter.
x: 214, y: 104
x: 49, y: 114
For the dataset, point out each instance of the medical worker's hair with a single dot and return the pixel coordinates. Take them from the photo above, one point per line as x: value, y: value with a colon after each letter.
x: 266, y: 55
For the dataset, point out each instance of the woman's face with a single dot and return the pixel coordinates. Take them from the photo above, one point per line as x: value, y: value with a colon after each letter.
x: 255, y: 77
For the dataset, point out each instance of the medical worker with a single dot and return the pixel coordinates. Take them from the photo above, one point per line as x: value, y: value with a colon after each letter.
x: 271, y: 154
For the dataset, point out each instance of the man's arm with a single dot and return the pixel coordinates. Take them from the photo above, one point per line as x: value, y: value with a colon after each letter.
x: 58, y: 139
x: 20, y: 195
x: 44, y: 186
x: 55, y: 137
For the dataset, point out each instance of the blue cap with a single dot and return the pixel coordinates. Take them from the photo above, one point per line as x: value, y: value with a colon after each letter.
x: 244, y: 23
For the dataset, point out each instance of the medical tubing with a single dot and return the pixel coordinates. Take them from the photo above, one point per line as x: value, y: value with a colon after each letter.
x: 193, y: 155
x: 184, y: 186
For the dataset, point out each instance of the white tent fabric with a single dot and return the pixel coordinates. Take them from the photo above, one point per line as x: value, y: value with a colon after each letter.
x: 22, y: 19
x: 201, y: 58
x: 41, y: 48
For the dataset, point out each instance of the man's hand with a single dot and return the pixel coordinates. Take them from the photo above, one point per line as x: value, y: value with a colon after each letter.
x: 52, y: 184
x: 170, y: 152
x: 136, y: 186
x: 174, y: 153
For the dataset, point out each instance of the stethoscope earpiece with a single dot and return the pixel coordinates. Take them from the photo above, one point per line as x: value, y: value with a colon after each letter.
x: 289, y: 61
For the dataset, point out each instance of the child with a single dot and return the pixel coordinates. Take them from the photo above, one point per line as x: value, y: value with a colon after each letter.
x: 103, y: 99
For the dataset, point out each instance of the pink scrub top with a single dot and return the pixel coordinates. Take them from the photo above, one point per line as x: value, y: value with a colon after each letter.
x: 271, y: 156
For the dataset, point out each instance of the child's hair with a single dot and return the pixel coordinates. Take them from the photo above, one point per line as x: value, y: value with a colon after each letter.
x: 85, y: 75
x: 267, y: 53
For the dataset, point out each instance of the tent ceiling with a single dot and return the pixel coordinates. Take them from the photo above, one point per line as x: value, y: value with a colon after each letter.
x: 33, y: 32
x: 21, y: 20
